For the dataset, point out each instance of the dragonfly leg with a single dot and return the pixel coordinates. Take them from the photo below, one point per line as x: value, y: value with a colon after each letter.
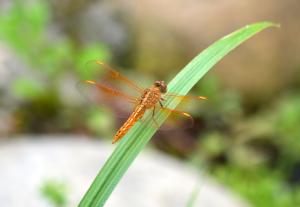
x: 161, y: 105
x: 152, y: 117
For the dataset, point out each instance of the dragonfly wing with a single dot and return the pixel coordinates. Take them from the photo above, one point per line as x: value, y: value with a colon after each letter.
x: 102, y: 72
x: 111, y: 93
x: 100, y: 94
x: 175, y: 118
x: 104, y: 85
x: 185, y: 103
x: 178, y: 117
x: 185, y: 98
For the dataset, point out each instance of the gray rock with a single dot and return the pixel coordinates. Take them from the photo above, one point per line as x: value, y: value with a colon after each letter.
x: 153, y: 179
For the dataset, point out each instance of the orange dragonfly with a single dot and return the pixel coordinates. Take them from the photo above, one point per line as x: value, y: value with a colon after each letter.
x: 149, y: 98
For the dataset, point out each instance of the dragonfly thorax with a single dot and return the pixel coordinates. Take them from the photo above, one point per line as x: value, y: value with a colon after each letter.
x: 150, y: 97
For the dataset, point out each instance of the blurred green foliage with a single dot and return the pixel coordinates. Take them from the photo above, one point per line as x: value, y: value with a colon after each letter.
x: 286, y: 123
x: 55, y: 192
x: 25, y: 28
x: 263, y: 187
x: 27, y: 89
x: 99, y: 121
x: 258, y: 154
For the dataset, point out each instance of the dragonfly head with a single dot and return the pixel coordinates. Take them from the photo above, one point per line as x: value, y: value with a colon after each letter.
x: 161, y: 85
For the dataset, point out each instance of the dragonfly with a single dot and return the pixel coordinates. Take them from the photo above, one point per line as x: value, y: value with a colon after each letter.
x: 151, y: 98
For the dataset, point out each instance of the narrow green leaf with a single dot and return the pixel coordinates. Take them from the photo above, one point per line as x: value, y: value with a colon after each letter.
x: 141, y: 133
x: 193, y: 198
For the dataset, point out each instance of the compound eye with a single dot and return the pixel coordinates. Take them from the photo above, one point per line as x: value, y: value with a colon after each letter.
x: 157, y: 83
x: 163, y: 89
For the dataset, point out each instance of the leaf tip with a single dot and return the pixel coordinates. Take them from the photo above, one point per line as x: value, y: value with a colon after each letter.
x: 267, y: 24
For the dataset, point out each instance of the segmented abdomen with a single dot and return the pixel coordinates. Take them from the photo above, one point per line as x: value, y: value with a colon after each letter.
x: 134, y: 117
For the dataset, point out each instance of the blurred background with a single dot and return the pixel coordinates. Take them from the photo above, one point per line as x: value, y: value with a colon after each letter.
x: 246, y: 135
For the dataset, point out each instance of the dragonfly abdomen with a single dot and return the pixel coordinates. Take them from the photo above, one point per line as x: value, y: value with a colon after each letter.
x: 134, y: 117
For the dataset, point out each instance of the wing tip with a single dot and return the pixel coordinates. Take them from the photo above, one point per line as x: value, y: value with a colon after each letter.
x: 99, y: 62
x: 90, y: 82
x: 202, y: 97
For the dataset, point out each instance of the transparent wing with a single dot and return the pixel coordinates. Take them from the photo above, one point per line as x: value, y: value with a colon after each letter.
x: 103, y: 86
x: 177, y: 117
x: 110, y: 92
x: 97, y: 70
x: 183, y: 99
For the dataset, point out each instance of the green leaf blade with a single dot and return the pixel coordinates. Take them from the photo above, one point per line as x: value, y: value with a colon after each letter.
x: 136, y: 139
